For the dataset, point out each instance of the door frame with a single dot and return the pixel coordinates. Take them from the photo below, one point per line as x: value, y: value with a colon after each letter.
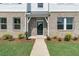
x: 38, y: 20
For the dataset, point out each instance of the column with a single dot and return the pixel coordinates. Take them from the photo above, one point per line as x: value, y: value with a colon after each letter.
x: 25, y: 23
x: 48, y: 26
x: 64, y: 23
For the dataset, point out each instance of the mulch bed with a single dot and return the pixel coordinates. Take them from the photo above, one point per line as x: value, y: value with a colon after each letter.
x: 24, y: 40
x: 20, y: 40
x: 56, y: 40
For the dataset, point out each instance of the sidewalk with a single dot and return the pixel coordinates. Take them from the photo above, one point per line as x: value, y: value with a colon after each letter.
x: 39, y: 48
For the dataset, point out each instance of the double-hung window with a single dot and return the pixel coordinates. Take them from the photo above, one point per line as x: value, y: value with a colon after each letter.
x: 65, y: 23
x: 40, y: 5
x: 17, y: 21
x: 60, y: 23
x: 69, y: 23
x: 3, y: 23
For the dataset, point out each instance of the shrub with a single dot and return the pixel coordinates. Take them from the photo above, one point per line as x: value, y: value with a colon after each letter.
x: 55, y: 37
x: 68, y: 37
x: 7, y: 36
x: 27, y: 35
x: 21, y: 36
x: 48, y: 38
x: 59, y: 39
x: 75, y: 38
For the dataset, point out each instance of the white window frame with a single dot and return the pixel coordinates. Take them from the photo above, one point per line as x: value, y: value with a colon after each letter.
x: 16, y: 23
x: 65, y: 20
x: 65, y: 23
x: 3, y: 23
x: 40, y: 6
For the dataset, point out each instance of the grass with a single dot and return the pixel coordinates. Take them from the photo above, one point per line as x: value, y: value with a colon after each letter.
x: 12, y: 48
x: 63, y: 48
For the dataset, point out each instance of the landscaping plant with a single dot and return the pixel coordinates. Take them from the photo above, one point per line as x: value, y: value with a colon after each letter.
x: 68, y: 37
x: 48, y: 38
x: 7, y: 37
x: 55, y: 37
x: 75, y: 38
x: 59, y: 39
x: 26, y: 34
x: 21, y: 36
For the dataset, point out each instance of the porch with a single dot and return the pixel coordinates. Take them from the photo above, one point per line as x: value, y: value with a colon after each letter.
x: 37, y: 24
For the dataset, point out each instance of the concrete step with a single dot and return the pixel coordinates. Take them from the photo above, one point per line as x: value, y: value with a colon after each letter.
x: 37, y: 37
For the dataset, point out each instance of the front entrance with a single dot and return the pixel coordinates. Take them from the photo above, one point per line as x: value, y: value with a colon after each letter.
x: 39, y: 27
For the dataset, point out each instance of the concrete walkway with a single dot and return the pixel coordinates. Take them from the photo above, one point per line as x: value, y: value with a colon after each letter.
x: 39, y: 48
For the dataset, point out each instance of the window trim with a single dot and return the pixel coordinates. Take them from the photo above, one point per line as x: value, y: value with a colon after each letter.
x: 65, y: 23
x: 39, y: 5
x: 3, y: 23
x: 69, y: 23
x: 61, y: 20
x: 16, y: 23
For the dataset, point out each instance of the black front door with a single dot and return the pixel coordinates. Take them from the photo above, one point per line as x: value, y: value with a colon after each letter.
x: 39, y: 27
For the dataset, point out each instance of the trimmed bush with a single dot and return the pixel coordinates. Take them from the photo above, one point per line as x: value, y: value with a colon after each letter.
x: 48, y: 38
x: 59, y: 39
x: 75, y: 38
x: 26, y: 34
x: 7, y: 36
x: 68, y: 37
x: 21, y: 36
x: 55, y: 37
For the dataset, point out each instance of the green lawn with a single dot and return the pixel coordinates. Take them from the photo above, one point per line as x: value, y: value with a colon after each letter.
x: 11, y: 48
x: 63, y: 48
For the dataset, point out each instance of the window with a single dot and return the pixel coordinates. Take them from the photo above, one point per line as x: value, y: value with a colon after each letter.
x: 29, y: 7
x: 69, y: 22
x: 19, y: 3
x: 40, y: 5
x: 65, y: 23
x: 16, y: 22
x: 60, y: 23
x: 3, y: 23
